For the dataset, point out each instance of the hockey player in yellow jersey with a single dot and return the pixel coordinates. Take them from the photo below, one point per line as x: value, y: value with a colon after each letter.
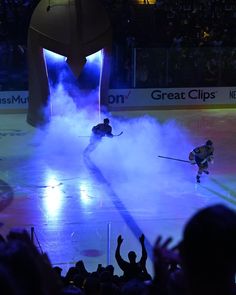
x: 201, y: 156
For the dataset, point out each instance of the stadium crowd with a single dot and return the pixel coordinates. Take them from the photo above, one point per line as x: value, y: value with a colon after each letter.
x: 181, y: 43
x: 203, y: 262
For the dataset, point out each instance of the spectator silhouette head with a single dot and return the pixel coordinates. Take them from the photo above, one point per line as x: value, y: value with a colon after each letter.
x: 132, y: 256
x: 57, y: 269
x: 28, y: 270
x: 208, y: 250
x: 80, y: 268
x: 110, y: 268
x: 209, y: 143
x: 106, y: 121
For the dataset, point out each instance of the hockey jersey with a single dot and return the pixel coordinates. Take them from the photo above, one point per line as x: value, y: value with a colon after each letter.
x: 203, y: 152
x: 102, y: 130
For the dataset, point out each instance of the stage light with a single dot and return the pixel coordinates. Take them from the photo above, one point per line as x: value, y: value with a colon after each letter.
x: 54, y: 57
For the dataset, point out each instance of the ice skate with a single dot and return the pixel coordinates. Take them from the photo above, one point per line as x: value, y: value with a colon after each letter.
x: 198, y: 179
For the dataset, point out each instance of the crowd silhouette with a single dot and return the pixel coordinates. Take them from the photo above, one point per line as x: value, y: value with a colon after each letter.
x: 203, y: 262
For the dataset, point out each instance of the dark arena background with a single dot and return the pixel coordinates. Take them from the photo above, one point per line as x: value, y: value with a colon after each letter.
x: 164, y: 73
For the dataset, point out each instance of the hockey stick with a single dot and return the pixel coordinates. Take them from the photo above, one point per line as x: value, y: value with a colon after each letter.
x: 174, y: 159
x: 113, y: 135
x: 118, y: 134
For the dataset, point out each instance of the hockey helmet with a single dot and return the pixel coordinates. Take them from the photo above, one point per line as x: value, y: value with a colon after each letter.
x: 209, y: 142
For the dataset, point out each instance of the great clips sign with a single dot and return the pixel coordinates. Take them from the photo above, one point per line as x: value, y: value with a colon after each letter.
x: 122, y: 99
x: 168, y: 97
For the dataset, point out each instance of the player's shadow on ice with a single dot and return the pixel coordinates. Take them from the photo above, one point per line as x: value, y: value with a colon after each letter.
x: 94, y: 169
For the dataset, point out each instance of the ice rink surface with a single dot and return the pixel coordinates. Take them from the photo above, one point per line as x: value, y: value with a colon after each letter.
x: 78, y: 206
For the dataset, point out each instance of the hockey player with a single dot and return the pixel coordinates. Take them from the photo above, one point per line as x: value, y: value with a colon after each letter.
x: 201, y: 156
x: 98, y: 132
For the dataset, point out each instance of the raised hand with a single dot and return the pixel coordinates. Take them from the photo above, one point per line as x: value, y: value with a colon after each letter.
x: 163, y: 255
x: 141, y: 239
x: 119, y: 240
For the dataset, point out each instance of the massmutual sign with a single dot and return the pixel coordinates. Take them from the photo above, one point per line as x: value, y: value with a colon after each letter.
x: 13, y: 100
x: 172, y: 97
x: 148, y: 98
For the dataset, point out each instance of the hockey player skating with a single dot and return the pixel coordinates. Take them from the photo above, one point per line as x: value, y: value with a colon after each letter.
x: 201, y: 156
x: 98, y: 132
